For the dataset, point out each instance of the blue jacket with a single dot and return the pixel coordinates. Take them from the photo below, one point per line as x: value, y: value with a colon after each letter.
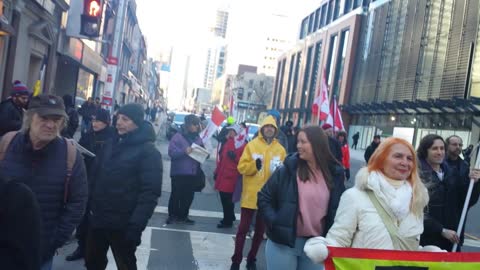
x: 44, y: 171
x: 182, y: 164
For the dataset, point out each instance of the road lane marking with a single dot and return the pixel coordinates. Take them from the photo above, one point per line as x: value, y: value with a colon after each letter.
x: 196, y: 213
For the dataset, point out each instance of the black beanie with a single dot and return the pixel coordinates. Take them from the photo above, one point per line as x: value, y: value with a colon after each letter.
x: 102, y: 115
x: 134, y: 111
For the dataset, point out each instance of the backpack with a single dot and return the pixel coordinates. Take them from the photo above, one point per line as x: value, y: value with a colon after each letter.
x: 71, y: 157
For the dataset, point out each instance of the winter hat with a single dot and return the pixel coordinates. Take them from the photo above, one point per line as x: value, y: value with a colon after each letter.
x: 275, y: 114
x: 134, y: 111
x: 326, y: 126
x: 235, y: 127
x: 19, y: 89
x: 103, y: 116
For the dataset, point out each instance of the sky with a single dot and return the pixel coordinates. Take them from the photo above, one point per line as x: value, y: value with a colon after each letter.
x: 184, y: 24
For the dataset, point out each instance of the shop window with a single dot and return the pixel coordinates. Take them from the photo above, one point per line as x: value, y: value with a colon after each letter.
x: 331, y: 58
x: 342, y: 52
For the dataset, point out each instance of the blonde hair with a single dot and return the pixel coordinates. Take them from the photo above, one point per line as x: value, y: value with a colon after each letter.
x: 419, y: 191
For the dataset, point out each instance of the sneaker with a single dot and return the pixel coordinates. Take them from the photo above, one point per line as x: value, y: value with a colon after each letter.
x: 76, y: 255
x: 186, y: 221
x: 251, y: 265
x: 171, y: 220
x: 235, y: 266
x: 222, y: 225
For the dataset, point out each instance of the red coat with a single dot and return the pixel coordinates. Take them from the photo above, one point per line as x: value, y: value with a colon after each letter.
x: 346, y: 156
x: 226, y: 171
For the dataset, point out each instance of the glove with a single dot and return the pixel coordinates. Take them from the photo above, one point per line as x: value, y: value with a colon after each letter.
x: 258, y: 163
x: 347, y: 174
x: 133, y: 236
x: 231, y: 155
x: 316, y: 249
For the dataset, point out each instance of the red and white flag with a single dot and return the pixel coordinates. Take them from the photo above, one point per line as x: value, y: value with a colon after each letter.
x: 241, y: 138
x: 231, y: 106
x: 336, y: 117
x: 217, y: 118
x: 321, y: 106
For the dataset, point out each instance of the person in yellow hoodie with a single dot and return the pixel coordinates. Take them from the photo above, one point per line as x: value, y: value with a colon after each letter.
x: 258, y: 162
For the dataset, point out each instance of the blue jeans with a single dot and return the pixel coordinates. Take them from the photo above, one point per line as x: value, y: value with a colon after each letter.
x: 282, y: 257
x: 47, y: 265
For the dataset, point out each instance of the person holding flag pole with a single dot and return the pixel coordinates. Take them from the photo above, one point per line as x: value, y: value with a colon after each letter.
x: 474, y: 167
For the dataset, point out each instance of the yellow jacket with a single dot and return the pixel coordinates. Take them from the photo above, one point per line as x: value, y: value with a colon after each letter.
x: 272, y: 155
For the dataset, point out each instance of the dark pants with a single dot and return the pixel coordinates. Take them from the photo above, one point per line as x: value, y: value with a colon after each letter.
x: 228, y: 208
x: 181, y: 197
x: 245, y: 221
x: 354, y: 146
x: 98, y: 242
x: 81, y: 232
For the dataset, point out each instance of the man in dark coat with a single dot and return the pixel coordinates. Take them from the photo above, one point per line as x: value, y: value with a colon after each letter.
x: 125, y: 193
x: 38, y: 157
x: 447, y: 195
x: 73, y: 120
x: 86, y: 111
x: 11, y: 110
x: 333, y: 144
x: 99, y: 141
x: 461, y: 172
x: 355, y: 139
x: 19, y: 227
x: 371, y: 148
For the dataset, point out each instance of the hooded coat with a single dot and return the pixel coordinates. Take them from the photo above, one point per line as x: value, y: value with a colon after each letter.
x: 129, y: 184
x: 226, y: 172
x: 272, y: 155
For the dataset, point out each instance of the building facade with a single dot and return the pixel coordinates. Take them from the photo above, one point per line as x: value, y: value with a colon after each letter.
x: 399, y: 67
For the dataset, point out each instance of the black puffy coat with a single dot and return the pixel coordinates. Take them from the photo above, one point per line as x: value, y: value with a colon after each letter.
x: 278, y: 201
x: 130, y: 182
x: 44, y: 172
x: 11, y: 117
x: 100, y: 143
x: 445, y: 205
x: 19, y: 227
x: 335, y: 149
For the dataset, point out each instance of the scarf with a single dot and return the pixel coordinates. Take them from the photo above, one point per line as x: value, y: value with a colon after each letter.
x: 398, y: 199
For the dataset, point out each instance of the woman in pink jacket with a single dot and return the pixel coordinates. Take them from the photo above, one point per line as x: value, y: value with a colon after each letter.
x: 226, y: 175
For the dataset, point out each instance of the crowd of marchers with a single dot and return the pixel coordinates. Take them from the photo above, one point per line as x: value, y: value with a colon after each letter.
x: 49, y: 189
x: 290, y: 183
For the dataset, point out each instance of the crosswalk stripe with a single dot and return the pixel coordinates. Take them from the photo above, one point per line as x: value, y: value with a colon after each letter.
x: 195, y: 213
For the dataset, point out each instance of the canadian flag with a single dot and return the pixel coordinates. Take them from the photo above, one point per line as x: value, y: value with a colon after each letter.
x: 213, y: 124
x: 241, y: 138
x: 336, y: 117
x: 321, y: 103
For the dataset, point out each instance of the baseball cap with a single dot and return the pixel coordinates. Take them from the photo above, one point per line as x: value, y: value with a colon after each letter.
x: 45, y: 104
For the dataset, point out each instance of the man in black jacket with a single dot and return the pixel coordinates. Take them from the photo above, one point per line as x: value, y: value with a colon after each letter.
x: 11, y: 110
x: 461, y: 171
x: 333, y: 144
x: 98, y: 141
x: 125, y: 193
x: 371, y: 148
x: 38, y: 157
x: 73, y: 120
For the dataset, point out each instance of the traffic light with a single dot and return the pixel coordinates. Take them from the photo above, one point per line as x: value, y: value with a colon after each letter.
x: 91, y: 18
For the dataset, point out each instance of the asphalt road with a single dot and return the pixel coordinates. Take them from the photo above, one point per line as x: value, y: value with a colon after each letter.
x: 203, y: 246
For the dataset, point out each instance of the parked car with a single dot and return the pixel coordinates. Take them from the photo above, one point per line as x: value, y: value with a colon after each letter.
x: 178, y: 119
x: 252, y: 130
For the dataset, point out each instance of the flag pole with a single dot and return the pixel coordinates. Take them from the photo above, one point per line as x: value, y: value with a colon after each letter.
x: 469, y: 195
x: 334, y: 113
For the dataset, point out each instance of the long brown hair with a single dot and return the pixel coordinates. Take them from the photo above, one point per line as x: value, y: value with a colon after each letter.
x: 321, y: 152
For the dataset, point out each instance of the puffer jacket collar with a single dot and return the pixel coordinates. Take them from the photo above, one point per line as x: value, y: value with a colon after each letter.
x: 144, y: 133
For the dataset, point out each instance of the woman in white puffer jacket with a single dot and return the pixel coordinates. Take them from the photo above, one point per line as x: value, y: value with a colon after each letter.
x: 389, y: 189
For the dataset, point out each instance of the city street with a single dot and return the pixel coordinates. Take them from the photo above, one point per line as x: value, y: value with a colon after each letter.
x: 203, y: 246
